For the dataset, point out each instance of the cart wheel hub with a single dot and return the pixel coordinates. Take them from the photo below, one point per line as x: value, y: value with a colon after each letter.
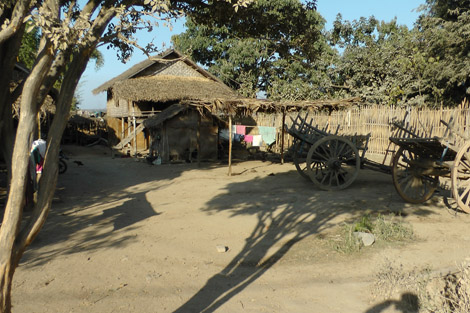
x: 334, y: 164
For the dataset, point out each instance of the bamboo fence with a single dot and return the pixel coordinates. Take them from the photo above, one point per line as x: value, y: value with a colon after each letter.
x: 376, y: 121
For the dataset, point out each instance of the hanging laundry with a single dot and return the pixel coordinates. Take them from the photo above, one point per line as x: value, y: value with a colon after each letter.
x: 268, y: 133
x: 241, y: 129
x: 224, y: 134
x: 257, y: 140
x: 248, y: 138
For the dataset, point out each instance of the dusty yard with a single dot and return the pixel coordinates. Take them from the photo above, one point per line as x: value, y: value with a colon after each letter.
x: 125, y: 236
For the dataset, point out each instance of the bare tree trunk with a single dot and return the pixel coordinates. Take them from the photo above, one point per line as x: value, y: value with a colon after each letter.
x: 13, y: 239
x: 10, y: 251
x: 8, y: 52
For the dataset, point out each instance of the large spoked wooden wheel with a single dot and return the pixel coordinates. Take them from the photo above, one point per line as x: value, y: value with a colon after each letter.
x: 461, y: 178
x: 300, y: 158
x: 410, y: 180
x: 333, y: 163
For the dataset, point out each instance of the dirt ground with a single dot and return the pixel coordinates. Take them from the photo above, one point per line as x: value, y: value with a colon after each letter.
x: 126, y: 236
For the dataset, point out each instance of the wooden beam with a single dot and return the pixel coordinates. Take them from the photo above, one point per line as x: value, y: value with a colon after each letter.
x: 122, y: 129
x: 198, y: 134
x: 230, y: 145
x: 135, y: 137
x: 282, y: 135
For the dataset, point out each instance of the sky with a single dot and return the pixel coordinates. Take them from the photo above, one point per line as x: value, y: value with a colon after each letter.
x: 403, y: 10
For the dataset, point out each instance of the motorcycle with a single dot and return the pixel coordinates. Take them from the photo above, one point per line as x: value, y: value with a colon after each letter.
x: 62, y: 163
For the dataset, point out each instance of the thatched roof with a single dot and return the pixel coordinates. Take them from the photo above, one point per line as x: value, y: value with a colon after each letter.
x: 165, y: 88
x: 244, y: 106
x: 169, y: 56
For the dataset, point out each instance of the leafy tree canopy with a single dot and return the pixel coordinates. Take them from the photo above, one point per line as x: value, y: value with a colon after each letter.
x: 390, y: 64
x: 380, y: 61
x: 273, y: 46
x: 445, y: 36
x: 446, y: 9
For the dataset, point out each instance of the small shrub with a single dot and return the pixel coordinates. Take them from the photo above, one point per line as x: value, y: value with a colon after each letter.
x: 347, y: 242
x: 364, y: 225
x: 391, y: 230
x: 382, y: 228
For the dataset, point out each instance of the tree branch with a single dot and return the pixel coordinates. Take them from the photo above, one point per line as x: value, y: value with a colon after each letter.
x: 21, y: 9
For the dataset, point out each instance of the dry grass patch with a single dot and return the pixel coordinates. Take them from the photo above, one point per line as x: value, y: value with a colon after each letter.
x: 384, y: 229
x: 422, y: 290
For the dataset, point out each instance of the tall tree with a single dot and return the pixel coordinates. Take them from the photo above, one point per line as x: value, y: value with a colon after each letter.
x: 69, y: 35
x: 390, y: 64
x: 273, y: 46
x: 380, y: 61
x: 445, y: 9
x: 445, y: 36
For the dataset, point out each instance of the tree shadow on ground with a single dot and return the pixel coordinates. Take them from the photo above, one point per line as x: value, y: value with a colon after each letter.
x: 104, y: 192
x: 289, y: 212
x: 101, y: 216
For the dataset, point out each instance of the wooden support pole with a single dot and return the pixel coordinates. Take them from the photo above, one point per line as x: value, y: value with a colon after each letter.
x: 135, y: 137
x: 230, y: 145
x: 122, y: 129
x: 282, y: 135
x: 198, y: 135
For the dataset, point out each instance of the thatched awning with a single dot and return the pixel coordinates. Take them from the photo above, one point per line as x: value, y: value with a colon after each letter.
x: 165, y: 88
x: 155, y: 121
x: 245, y: 106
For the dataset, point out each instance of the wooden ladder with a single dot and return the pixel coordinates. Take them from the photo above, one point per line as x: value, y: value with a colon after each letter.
x: 129, y: 138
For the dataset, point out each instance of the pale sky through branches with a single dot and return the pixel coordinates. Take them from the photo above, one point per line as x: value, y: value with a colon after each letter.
x: 404, y: 10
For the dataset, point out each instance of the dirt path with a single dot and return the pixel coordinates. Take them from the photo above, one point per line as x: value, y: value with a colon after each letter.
x: 124, y: 236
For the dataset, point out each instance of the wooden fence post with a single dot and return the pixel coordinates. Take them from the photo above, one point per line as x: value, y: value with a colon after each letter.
x: 229, y: 145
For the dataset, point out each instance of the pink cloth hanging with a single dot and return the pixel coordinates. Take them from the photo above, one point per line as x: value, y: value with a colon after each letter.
x: 241, y: 129
x: 248, y: 138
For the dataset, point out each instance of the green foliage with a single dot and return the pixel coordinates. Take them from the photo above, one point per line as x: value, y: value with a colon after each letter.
x: 445, y: 9
x: 447, y: 43
x: 29, y: 46
x: 390, y: 64
x: 380, y: 61
x: 272, y: 46
x: 390, y: 229
x: 279, y: 48
x: 347, y: 242
x: 364, y: 225
x: 98, y: 57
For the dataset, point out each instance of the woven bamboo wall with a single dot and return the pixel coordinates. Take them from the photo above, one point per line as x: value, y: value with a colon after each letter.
x: 376, y: 121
